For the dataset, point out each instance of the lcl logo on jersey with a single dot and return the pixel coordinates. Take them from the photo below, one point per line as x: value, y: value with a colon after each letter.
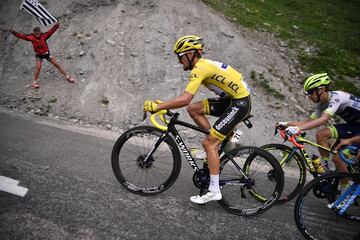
x: 193, y: 75
x: 221, y: 79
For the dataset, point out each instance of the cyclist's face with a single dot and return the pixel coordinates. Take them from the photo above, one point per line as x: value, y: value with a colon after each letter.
x: 184, y: 60
x: 318, y: 95
x: 37, y: 33
x: 313, y: 96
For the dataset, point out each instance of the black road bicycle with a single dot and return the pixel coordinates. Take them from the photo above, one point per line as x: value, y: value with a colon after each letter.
x: 146, y: 160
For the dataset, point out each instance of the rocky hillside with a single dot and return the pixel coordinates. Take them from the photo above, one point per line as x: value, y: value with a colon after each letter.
x: 120, y: 53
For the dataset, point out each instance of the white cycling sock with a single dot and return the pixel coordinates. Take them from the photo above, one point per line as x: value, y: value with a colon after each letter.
x: 214, y: 183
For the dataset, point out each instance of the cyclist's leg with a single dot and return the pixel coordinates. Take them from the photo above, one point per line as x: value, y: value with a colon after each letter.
x: 322, y: 137
x: 235, y: 113
x: 211, y: 144
x: 37, y: 68
x: 53, y: 61
x: 237, y: 110
x: 344, y: 131
x: 196, y: 112
x: 210, y: 106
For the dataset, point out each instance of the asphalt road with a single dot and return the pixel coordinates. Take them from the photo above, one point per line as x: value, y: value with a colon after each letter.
x: 73, y: 193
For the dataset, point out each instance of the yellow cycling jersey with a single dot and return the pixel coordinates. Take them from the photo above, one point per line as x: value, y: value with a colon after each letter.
x: 218, y: 77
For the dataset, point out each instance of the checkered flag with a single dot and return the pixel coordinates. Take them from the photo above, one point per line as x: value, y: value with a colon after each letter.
x: 35, y: 8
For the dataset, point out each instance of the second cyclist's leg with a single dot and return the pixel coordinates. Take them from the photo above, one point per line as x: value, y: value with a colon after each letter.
x: 322, y: 137
x: 344, y: 131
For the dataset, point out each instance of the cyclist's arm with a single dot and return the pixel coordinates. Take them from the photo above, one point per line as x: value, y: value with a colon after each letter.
x: 315, y: 123
x: 177, y: 102
x: 313, y: 116
x: 52, y: 30
x: 298, y: 123
x: 349, y: 141
x: 21, y: 35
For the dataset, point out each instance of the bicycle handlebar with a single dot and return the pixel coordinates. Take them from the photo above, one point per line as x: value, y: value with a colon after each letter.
x: 292, y: 138
x: 160, y: 114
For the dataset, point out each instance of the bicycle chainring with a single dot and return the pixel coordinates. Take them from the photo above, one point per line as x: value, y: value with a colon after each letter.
x: 325, y: 189
x: 201, y: 179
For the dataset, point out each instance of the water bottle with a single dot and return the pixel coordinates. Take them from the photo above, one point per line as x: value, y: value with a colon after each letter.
x: 234, y: 140
x: 198, y: 154
x: 317, y: 164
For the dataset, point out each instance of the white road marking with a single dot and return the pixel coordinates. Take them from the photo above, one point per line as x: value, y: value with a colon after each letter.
x: 11, y: 186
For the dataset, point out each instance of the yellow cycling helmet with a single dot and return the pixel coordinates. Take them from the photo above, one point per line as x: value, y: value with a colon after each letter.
x: 188, y: 43
x: 316, y: 81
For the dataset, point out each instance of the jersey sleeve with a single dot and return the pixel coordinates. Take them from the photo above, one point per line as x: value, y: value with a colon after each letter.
x: 21, y: 35
x: 313, y: 116
x: 197, y: 76
x: 52, y: 30
x: 334, y: 104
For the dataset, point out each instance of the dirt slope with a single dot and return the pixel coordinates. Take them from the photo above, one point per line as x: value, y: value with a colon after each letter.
x: 120, y: 53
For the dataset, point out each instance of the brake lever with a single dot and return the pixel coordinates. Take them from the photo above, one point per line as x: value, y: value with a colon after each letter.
x: 286, y: 137
x: 145, y: 115
x: 276, y: 131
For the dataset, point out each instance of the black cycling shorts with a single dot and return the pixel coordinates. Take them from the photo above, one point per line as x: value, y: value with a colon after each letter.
x: 40, y: 57
x: 230, y: 113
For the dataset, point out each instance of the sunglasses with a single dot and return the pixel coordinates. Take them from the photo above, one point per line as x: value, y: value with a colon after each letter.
x: 179, y: 55
x: 311, y: 91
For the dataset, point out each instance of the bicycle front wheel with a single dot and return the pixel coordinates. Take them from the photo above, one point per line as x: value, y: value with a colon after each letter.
x: 253, y: 188
x: 152, y: 176
x: 293, y: 167
x: 316, y: 220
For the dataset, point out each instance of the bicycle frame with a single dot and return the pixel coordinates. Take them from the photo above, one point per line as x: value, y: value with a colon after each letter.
x: 298, y: 141
x: 347, y: 198
x: 181, y: 144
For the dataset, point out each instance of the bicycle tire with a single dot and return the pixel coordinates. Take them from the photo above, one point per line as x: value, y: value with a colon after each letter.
x: 235, y: 200
x: 129, y: 168
x: 294, y: 174
x: 317, y: 221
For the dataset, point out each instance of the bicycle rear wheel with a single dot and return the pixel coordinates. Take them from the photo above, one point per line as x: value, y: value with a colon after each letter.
x: 151, y: 177
x: 316, y: 220
x: 294, y: 170
x: 253, y: 189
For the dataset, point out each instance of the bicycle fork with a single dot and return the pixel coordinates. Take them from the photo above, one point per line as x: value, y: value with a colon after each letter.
x: 153, y: 149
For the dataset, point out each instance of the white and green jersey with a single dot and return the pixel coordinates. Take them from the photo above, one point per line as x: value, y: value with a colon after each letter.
x: 343, y: 104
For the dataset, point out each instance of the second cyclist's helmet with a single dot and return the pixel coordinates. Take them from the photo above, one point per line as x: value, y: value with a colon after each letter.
x: 315, y: 81
x: 188, y: 43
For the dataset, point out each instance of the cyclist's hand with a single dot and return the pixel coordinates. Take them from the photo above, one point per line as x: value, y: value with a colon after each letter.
x: 292, y: 130
x: 343, y: 143
x: 150, y: 106
x: 281, y: 125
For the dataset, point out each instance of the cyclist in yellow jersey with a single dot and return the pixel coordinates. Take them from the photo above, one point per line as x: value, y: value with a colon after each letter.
x: 231, y: 106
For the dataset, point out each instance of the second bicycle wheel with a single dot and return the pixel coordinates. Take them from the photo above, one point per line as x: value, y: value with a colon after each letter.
x: 293, y: 167
x: 316, y: 220
x: 251, y: 181
x: 155, y: 175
